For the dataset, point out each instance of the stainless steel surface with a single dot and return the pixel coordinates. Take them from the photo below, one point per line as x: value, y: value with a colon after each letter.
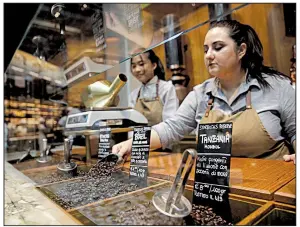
x: 45, y: 145
x: 87, y: 134
x: 182, y: 209
x: 67, y: 151
x: 107, y: 108
x: 96, y: 132
x: 116, y: 158
x: 88, y: 147
x: 44, y: 159
x: 66, y: 166
x: 176, y: 204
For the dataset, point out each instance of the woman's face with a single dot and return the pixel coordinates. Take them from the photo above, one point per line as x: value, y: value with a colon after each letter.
x: 220, y: 55
x: 142, y: 68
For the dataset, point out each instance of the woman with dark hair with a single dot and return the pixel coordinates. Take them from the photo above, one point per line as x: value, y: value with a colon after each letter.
x: 257, y: 99
x: 156, y: 99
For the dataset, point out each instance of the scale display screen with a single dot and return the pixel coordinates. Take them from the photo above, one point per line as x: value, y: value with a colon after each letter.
x: 78, y: 119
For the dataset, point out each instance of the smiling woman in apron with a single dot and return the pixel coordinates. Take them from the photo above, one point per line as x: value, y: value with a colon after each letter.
x: 258, y: 100
x: 156, y: 99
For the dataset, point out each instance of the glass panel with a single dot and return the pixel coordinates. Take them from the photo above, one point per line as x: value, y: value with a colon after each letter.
x: 62, y: 53
x: 63, y: 34
x: 279, y: 217
x: 76, y: 193
x: 137, y: 209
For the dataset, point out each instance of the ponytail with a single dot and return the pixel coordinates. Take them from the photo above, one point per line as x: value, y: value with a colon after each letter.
x: 253, y: 59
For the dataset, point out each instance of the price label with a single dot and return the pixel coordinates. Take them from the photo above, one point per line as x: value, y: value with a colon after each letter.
x: 212, y: 172
x: 139, y: 155
x: 104, y: 147
x: 98, y: 29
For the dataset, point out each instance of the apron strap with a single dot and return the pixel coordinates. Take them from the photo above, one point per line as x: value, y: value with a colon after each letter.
x: 211, y: 101
x: 137, y: 98
x: 141, y: 88
x: 248, y: 100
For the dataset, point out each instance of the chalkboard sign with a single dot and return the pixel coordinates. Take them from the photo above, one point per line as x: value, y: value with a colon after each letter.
x: 98, y: 29
x: 139, y: 155
x: 104, y: 147
x: 212, y: 170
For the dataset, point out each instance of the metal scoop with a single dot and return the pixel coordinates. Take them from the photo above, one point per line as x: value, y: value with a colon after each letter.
x: 44, y: 157
x: 110, y: 158
x: 67, y: 166
x: 27, y: 155
x: 176, y: 205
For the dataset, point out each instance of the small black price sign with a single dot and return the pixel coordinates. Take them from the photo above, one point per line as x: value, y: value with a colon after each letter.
x: 104, y: 147
x: 212, y: 170
x: 139, y: 155
x: 98, y: 29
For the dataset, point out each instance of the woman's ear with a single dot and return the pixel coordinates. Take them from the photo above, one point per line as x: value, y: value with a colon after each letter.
x: 154, y: 66
x: 242, y: 50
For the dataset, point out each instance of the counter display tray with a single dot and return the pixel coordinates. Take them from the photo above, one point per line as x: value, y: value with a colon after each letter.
x: 113, y: 212
x: 50, y: 174
x: 33, y: 164
x: 287, y: 194
x: 56, y: 158
x: 80, y: 192
x: 279, y: 215
x: 256, y: 178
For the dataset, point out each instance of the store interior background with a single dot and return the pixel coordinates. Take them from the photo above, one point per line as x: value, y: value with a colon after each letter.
x: 27, y: 102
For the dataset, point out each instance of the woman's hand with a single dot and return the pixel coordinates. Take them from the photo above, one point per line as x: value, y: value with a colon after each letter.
x: 123, y: 149
x: 290, y: 157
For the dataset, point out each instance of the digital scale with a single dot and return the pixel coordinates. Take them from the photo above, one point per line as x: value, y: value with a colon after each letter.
x: 114, y: 117
x: 89, y: 122
x: 100, y: 100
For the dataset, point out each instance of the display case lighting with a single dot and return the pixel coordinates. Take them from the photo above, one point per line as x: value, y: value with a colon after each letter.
x: 46, y: 78
x: 17, y: 69
x: 34, y: 74
x: 58, y: 81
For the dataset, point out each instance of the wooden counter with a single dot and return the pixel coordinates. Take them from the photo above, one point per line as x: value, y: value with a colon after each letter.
x: 256, y: 178
x: 287, y: 194
x: 251, y: 180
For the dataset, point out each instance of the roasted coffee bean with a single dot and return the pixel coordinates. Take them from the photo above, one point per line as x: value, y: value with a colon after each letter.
x: 46, y: 178
x: 144, y: 214
x: 204, y: 215
x: 97, y: 184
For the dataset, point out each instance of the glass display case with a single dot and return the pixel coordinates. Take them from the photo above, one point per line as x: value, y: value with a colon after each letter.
x: 69, y: 46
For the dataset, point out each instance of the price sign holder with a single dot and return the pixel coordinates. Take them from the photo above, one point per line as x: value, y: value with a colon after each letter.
x: 171, y: 202
x: 104, y: 146
x: 98, y: 29
x: 212, y: 172
x: 139, y: 155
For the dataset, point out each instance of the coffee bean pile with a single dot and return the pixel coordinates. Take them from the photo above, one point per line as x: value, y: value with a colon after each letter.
x: 55, y: 177
x: 98, y: 184
x: 144, y: 214
x: 101, y: 169
x: 204, y: 215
